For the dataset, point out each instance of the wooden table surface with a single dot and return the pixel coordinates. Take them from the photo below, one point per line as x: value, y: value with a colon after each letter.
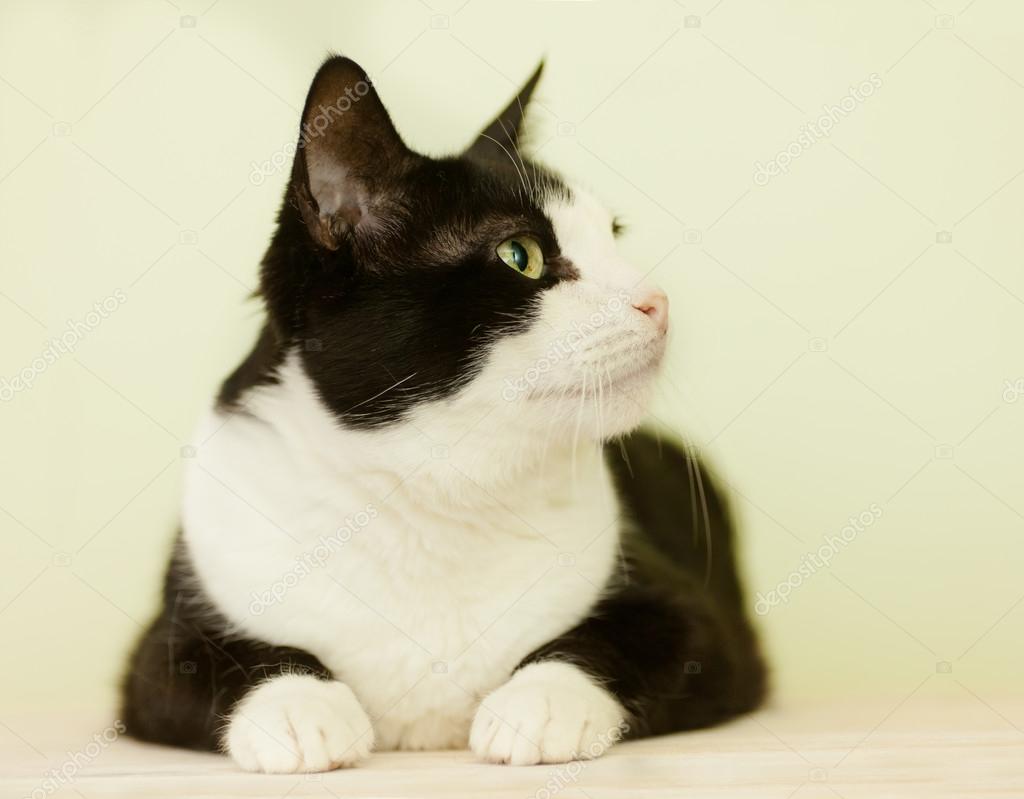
x: 909, y: 748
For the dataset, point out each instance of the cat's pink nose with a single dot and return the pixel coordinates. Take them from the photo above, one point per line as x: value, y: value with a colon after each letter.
x: 654, y: 303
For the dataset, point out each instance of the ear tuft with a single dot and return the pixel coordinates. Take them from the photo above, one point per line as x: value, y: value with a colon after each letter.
x: 501, y: 137
x: 349, y: 153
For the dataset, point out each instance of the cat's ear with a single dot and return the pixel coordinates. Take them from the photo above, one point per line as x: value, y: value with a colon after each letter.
x: 501, y: 138
x: 350, y: 156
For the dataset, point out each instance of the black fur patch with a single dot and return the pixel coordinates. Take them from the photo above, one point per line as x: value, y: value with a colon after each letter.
x: 393, y: 294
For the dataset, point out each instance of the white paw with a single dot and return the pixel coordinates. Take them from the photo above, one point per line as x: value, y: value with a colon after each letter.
x: 298, y: 723
x: 548, y: 712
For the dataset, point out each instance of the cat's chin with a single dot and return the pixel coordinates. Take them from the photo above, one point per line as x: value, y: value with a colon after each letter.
x: 617, y: 407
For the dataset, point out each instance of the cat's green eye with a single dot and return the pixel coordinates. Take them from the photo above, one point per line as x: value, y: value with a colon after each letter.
x: 523, y: 253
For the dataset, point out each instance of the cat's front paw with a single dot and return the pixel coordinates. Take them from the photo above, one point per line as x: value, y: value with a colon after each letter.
x: 298, y: 723
x: 548, y: 712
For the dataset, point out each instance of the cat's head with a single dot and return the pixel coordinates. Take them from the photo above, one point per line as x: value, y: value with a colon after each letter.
x: 410, y: 285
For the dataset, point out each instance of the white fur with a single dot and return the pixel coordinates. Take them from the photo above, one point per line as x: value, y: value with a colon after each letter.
x: 299, y: 723
x: 548, y: 712
x: 492, y: 521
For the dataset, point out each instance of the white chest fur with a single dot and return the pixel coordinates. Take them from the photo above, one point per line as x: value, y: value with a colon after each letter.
x: 414, y: 564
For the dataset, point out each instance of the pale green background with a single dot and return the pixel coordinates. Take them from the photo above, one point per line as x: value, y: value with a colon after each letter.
x: 832, y: 348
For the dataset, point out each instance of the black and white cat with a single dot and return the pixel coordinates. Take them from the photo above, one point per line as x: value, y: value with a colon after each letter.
x: 402, y: 527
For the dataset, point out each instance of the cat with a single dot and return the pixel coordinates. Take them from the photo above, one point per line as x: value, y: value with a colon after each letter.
x: 419, y: 514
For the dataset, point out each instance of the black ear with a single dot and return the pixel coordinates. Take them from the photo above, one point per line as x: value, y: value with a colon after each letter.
x: 501, y: 138
x: 350, y: 155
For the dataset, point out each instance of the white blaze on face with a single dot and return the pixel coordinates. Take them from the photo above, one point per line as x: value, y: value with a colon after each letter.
x: 592, y: 354
x: 583, y: 228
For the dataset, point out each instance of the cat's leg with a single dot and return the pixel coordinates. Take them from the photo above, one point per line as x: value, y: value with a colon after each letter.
x: 273, y: 709
x: 645, y: 662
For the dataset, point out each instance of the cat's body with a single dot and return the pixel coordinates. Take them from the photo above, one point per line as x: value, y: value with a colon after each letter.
x: 397, y: 503
x: 404, y: 605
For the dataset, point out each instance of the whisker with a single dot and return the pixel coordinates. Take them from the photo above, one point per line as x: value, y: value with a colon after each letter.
x: 381, y: 393
x: 522, y: 115
x: 693, y: 496
x: 510, y: 158
x: 707, y: 524
x: 625, y: 456
x: 579, y: 423
x: 515, y: 149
